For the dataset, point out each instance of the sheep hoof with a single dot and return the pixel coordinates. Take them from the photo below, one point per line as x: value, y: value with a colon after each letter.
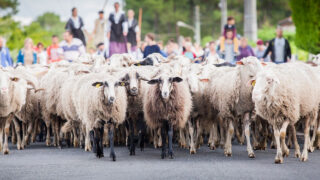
x: 192, y: 152
x: 251, y: 155
x: 227, y: 153
x: 212, y: 147
x: 303, y: 159
x: 311, y: 148
x: 297, y: 154
x: 75, y: 143
x: 278, y: 161
x: 6, y: 151
x: 286, y: 153
x: 171, y: 156
x: 289, y: 146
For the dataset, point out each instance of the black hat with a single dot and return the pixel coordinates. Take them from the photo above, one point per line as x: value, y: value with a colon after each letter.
x: 100, y: 44
x: 100, y: 12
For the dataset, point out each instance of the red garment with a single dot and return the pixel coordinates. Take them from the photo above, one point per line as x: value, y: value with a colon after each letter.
x: 53, y: 54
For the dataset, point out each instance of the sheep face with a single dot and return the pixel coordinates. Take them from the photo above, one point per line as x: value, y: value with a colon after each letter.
x: 109, y: 89
x: 165, y: 84
x: 251, y: 67
x: 132, y: 79
x: 266, y: 82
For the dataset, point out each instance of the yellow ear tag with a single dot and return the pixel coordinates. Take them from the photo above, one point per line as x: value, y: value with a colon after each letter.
x: 139, y: 64
x: 253, y: 82
x: 98, y: 85
x: 122, y: 83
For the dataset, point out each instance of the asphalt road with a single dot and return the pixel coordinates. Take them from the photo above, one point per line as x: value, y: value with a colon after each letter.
x: 40, y: 162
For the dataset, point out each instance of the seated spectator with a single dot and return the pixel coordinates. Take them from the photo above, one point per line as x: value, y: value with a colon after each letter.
x: 198, y: 50
x: 71, y: 48
x: 188, y: 51
x: 41, y: 54
x: 101, y: 50
x: 5, y: 58
x: 212, y: 51
x: 27, y: 55
x: 151, y: 47
x: 172, y: 48
x: 53, y: 50
x: 259, y: 51
x: 244, y: 49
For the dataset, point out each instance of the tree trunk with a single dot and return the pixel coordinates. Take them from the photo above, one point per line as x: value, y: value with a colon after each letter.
x: 250, y: 19
x: 224, y: 13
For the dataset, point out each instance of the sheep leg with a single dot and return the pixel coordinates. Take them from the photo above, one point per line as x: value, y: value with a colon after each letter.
x: 314, y: 134
x: 283, y: 132
x: 48, y: 138
x: 263, y: 142
x: 199, y: 136
x: 192, y: 133
x: 297, y: 153
x: 290, y: 137
x: 159, y: 138
x: 170, y: 135
x: 75, y: 136
x: 278, y: 158
x: 6, y: 134
x: 155, y: 138
x: 215, y: 134
x: 237, y: 132
x: 26, y: 138
x: 182, y: 138
x: 246, y: 121
x: 88, y: 146
x: 131, y: 132
x: 127, y: 131
x: 106, y: 136
x: 13, y: 136
x: 255, y: 135
x: 228, y: 145
x: 318, y: 135
x: 35, y: 130
x: 18, y: 129
x: 163, y: 138
x: 304, y: 155
x: 212, y: 137
x: 142, y: 131
x: 111, y: 134
x: 222, y: 133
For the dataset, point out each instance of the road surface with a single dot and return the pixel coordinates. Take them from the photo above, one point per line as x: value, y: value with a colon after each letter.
x: 40, y: 162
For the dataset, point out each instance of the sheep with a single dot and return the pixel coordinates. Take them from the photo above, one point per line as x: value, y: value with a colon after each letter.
x: 230, y: 96
x: 135, y: 78
x: 166, y: 103
x: 121, y: 60
x: 284, y: 94
x: 13, y: 91
x: 103, y: 101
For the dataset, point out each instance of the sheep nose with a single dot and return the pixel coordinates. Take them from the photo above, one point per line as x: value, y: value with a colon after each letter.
x: 134, y: 89
x: 111, y: 99
x: 4, y: 89
x: 165, y: 94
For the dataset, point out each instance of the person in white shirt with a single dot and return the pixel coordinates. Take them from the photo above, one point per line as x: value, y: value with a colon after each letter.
x: 75, y: 25
x: 117, y: 30
x: 71, y: 48
x: 41, y: 54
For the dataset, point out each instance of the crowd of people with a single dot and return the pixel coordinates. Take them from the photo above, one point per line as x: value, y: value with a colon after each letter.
x: 123, y: 34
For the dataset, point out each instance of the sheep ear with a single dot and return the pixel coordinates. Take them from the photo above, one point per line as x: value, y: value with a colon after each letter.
x: 153, y: 81
x: 263, y: 63
x: 177, y: 79
x: 204, y: 80
x: 251, y: 82
x: 239, y: 63
x: 97, y: 84
x: 15, y: 79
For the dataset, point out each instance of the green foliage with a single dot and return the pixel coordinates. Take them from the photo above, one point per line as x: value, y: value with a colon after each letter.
x: 306, y: 15
x: 9, y: 5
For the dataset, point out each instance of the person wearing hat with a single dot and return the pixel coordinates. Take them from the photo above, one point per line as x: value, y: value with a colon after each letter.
x: 117, y: 30
x: 98, y: 32
x: 260, y: 49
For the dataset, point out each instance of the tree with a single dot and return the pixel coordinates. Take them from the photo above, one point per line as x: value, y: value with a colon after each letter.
x: 9, y: 5
x: 51, y: 23
x: 306, y: 15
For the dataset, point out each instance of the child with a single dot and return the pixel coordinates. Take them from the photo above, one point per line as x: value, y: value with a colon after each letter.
x: 230, y: 26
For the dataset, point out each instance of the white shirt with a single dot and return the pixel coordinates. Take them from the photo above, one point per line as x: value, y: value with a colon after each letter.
x: 73, y: 50
x: 76, y: 21
x: 279, y: 44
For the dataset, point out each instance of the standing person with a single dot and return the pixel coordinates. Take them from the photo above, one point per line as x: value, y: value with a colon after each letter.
x: 279, y: 48
x: 133, y: 36
x: 71, y: 48
x: 245, y: 50
x: 117, y: 30
x: 230, y: 26
x: 151, y: 47
x: 5, y: 58
x: 229, y: 52
x: 26, y: 55
x: 41, y: 54
x: 98, y: 32
x: 75, y: 25
x: 53, y: 50
x: 212, y: 51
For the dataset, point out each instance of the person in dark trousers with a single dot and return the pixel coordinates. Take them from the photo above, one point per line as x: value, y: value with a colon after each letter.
x: 75, y: 25
x: 151, y: 47
x: 279, y: 48
x: 117, y: 30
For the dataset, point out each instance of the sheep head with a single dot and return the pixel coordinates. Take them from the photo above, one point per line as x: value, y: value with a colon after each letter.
x: 165, y: 84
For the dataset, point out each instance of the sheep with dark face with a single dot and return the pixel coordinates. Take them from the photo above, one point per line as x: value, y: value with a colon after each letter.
x: 167, y: 103
x: 103, y: 101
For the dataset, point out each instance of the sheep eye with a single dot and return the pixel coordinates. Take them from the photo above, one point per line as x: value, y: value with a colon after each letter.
x: 137, y: 74
x: 106, y: 84
x: 14, y: 79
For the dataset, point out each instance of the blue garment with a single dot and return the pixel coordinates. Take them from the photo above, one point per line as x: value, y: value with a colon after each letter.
x: 20, y: 58
x: 5, y: 57
x: 151, y: 49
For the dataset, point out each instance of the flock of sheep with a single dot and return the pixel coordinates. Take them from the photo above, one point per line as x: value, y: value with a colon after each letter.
x: 94, y: 103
